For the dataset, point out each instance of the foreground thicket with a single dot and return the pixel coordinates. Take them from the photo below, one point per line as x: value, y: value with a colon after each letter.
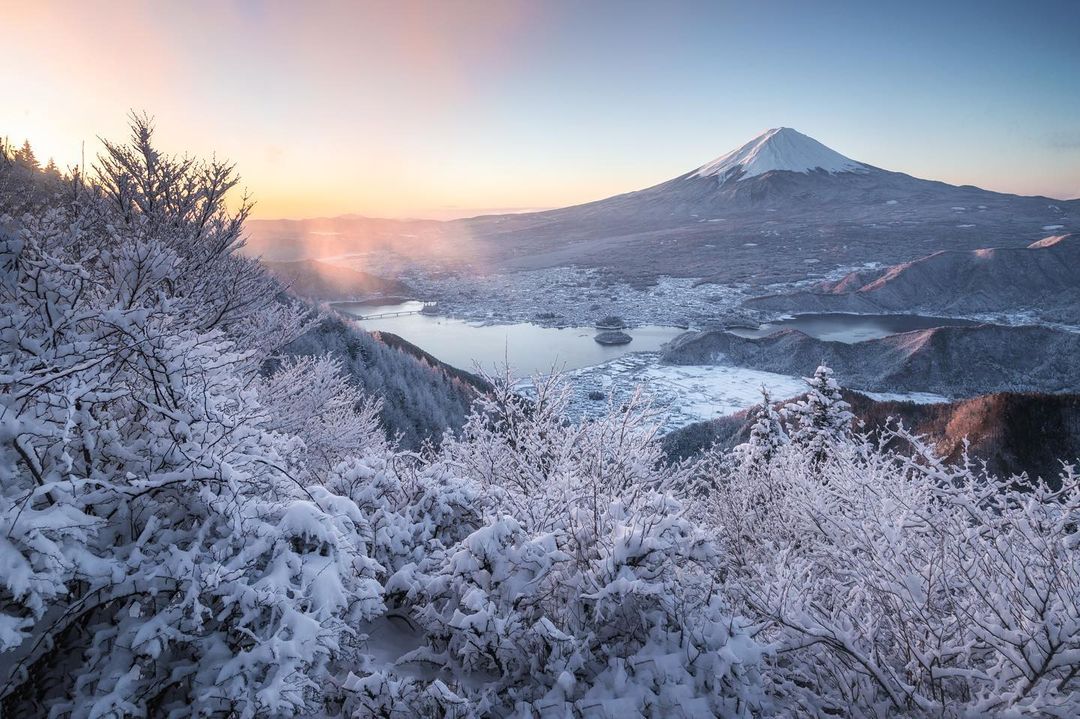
x: 184, y: 533
x: 891, y: 584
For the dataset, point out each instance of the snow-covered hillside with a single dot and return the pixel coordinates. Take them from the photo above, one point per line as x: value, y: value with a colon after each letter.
x: 1039, y: 282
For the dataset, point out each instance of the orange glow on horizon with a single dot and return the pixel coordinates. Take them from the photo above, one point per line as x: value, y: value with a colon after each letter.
x: 441, y: 109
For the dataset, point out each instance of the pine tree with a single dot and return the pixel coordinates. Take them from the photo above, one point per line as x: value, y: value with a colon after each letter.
x: 25, y: 156
x: 822, y: 418
x: 767, y: 434
x: 52, y: 172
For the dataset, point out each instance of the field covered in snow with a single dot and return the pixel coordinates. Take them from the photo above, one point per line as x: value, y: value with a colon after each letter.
x: 691, y: 393
x: 683, y: 395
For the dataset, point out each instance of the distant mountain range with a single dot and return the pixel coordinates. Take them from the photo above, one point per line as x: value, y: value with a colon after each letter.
x: 951, y: 361
x: 781, y: 207
x: 1041, y: 281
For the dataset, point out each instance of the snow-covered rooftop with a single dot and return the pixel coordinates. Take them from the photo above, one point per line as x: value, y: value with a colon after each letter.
x: 780, y: 149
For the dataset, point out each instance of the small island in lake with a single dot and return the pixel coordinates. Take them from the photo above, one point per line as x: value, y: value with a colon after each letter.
x: 613, y: 338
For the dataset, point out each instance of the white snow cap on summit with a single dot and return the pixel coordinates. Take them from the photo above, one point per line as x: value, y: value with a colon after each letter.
x: 780, y: 149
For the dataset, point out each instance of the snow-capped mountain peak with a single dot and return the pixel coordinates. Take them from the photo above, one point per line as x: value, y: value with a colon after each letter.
x: 780, y: 148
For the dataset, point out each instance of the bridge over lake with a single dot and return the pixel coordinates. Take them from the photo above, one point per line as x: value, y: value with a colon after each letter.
x: 426, y: 308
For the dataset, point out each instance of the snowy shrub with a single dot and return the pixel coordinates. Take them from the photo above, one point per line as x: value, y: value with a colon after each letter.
x: 159, y: 552
x: 894, y: 586
x: 568, y: 621
x: 604, y: 586
x: 379, y: 695
x: 477, y: 606
x: 310, y: 398
x: 412, y: 517
x: 539, y: 464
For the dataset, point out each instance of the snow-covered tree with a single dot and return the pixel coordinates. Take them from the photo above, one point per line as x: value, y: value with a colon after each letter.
x: 179, y: 203
x: 311, y: 398
x: 51, y: 171
x: 767, y: 433
x: 822, y: 418
x: 158, y: 551
x: 25, y: 156
x: 22, y: 187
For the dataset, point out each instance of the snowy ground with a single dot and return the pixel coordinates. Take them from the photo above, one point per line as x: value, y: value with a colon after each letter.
x: 682, y: 394
x: 687, y: 394
x: 575, y: 296
x: 915, y: 397
x: 570, y: 296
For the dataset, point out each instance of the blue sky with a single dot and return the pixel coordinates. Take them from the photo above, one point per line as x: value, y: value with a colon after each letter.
x: 981, y: 92
x: 433, y: 108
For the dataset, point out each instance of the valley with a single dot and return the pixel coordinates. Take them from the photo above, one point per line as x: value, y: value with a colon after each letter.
x: 683, y: 392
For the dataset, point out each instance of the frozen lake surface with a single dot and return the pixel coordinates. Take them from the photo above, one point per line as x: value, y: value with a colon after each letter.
x: 684, y: 394
x: 681, y: 394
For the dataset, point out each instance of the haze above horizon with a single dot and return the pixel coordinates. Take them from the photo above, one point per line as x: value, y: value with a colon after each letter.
x: 450, y: 109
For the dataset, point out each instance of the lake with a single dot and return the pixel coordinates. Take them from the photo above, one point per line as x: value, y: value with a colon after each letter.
x: 849, y: 328
x: 532, y: 349
x: 528, y: 348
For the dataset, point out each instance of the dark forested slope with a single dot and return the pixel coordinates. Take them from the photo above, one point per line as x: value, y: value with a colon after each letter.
x: 421, y: 398
x: 1011, y: 432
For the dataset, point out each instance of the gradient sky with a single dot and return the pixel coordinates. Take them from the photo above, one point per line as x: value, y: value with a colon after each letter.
x: 453, y: 107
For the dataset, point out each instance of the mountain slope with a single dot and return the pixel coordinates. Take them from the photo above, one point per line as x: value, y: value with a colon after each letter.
x: 952, y: 361
x: 782, y: 207
x: 1012, y: 432
x: 422, y: 398
x: 777, y: 209
x: 1042, y: 279
x: 780, y: 149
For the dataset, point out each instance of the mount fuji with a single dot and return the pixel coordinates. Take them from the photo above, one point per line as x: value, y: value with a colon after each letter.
x: 778, y: 150
x: 782, y: 207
